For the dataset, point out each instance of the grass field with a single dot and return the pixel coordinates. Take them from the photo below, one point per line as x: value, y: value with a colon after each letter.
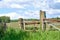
x: 17, y: 34
x: 16, y: 25
x: 13, y: 24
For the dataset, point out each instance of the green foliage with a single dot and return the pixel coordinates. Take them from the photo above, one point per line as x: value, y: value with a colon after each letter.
x: 31, y: 28
x: 14, y: 20
x: 2, y: 30
x: 17, y: 34
x: 58, y: 18
x: 31, y: 19
x: 5, y: 19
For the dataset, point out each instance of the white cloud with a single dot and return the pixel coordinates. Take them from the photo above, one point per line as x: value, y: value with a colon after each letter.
x: 53, y: 11
x: 7, y: 0
x: 16, y: 6
x: 32, y: 14
x: 56, y: 1
x: 41, y: 4
x: 37, y: 4
x: 12, y: 3
x: 12, y: 15
x: 59, y: 16
x: 16, y: 0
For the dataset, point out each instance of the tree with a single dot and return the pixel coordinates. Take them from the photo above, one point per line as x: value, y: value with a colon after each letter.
x: 5, y: 19
x: 58, y: 18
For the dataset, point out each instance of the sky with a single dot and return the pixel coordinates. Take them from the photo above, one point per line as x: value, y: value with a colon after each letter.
x: 29, y: 8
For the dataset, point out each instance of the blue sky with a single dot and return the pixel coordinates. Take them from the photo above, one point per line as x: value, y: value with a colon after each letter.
x: 29, y: 8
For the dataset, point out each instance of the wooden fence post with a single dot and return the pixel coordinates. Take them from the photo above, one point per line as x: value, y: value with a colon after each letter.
x: 4, y: 25
x: 42, y: 23
x: 22, y: 24
x: 2, y: 28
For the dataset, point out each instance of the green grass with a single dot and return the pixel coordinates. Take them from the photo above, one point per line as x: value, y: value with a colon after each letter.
x: 13, y: 24
x: 16, y: 25
x: 17, y: 34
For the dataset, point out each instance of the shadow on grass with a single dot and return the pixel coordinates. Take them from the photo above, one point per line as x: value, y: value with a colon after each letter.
x: 15, y: 35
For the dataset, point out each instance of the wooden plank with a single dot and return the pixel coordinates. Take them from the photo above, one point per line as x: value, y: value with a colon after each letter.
x: 29, y: 23
x: 51, y: 20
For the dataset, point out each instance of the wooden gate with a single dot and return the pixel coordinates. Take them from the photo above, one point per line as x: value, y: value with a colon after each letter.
x: 44, y: 22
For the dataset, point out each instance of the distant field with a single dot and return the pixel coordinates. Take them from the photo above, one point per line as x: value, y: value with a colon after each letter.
x: 13, y: 24
x: 18, y: 34
x: 16, y: 25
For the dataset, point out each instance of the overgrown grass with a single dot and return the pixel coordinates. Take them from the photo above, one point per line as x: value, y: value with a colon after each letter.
x: 17, y: 34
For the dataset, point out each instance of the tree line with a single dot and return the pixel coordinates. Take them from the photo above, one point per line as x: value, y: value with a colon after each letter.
x: 7, y: 19
x: 4, y: 19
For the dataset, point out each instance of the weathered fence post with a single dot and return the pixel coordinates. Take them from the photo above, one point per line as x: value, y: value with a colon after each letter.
x: 4, y: 25
x: 42, y: 23
x: 2, y: 28
x: 47, y: 25
x: 22, y: 24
